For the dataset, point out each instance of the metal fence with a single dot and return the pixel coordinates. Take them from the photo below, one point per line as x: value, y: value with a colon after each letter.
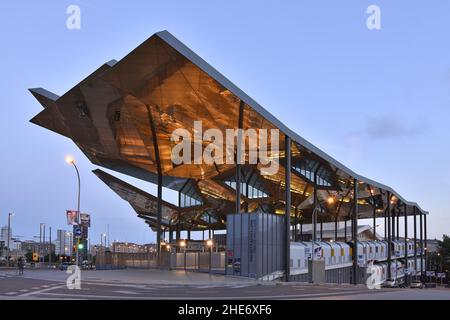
x: 192, y: 261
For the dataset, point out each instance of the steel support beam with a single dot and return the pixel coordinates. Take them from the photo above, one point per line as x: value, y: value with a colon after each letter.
x: 425, y: 242
x: 345, y: 229
x: 321, y: 229
x: 389, y: 253
x: 398, y: 225
x: 170, y: 232
x: 355, y: 231
x: 159, y: 198
x: 393, y: 222
x: 374, y: 223
x: 301, y: 230
x: 415, y: 240
x: 238, y: 173
x: 287, y: 210
x: 406, y: 239
x: 294, y: 238
x: 421, y: 243
x: 385, y: 224
x: 335, y: 227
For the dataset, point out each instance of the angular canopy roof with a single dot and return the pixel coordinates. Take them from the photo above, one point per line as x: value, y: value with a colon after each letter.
x: 123, y: 114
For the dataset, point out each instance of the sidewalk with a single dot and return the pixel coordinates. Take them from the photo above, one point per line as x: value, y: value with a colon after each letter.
x: 138, y: 276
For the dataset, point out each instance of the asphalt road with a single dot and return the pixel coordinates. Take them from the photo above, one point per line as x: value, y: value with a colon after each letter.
x: 104, y: 285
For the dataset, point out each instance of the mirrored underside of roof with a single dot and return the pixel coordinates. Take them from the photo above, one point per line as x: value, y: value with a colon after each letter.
x: 122, y: 117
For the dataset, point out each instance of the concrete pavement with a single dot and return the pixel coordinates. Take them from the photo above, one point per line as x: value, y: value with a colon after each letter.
x: 158, y: 284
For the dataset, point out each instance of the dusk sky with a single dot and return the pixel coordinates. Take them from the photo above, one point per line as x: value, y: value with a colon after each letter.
x: 376, y: 100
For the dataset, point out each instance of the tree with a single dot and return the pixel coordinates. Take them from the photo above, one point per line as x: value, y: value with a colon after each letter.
x: 29, y: 256
x: 444, y: 251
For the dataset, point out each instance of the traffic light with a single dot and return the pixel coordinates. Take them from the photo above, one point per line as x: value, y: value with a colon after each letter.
x: 35, y: 257
x: 80, y: 246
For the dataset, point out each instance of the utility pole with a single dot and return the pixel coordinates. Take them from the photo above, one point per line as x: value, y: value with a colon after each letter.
x: 41, y: 240
x: 50, y: 247
x: 107, y: 233
x: 9, y: 237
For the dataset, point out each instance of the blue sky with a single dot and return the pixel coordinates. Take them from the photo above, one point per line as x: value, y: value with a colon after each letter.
x: 378, y: 101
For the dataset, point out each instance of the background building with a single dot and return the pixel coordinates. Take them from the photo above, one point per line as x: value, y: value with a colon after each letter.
x: 64, y: 243
x: 129, y: 247
x: 4, y: 235
x: 41, y: 248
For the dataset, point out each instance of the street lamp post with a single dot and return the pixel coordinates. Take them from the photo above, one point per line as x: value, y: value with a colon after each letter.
x: 42, y: 243
x: 330, y: 201
x: 313, y: 218
x: 49, y: 247
x: 210, y: 244
x: 71, y: 160
x: 183, y: 245
x: 9, y: 236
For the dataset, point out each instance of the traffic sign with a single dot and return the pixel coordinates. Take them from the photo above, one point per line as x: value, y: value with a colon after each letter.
x: 78, y: 232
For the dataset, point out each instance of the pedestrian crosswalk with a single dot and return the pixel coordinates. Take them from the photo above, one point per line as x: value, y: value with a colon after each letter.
x: 31, y: 290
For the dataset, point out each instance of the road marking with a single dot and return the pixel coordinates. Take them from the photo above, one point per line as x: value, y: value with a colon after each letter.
x: 78, y: 296
x: 41, y: 291
x: 23, y: 290
x: 283, y: 297
x: 11, y: 293
x: 240, y: 286
x: 125, y: 292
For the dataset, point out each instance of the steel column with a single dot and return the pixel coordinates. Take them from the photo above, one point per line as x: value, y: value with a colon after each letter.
x: 321, y: 229
x: 238, y: 174
x: 398, y: 225
x: 159, y: 199
x: 335, y: 226
x: 170, y: 231
x: 301, y: 230
x: 406, y: 239
x: 287, y: 210
x: 389, y: 253
x: 415, y: 240
x: 294, y: 238
x: 421, y: 244
x: 374, y: 223
x: 393, y: 223
x: 314, y: 216
x: 355, y: 231
x: 385, y: 224
x: 425, y: 241
x: 345, y: 229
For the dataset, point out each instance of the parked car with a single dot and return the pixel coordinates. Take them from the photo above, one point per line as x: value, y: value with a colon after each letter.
x: 391, y: 283
x: 87, y: 266
x: 64, y: 265
x: 417, y: 284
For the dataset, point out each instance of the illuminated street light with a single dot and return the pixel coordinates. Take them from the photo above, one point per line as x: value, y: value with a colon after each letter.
x: 183, y: 245
x: 330, y: 200
x: 210, y: 244
x: 70, y: 160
